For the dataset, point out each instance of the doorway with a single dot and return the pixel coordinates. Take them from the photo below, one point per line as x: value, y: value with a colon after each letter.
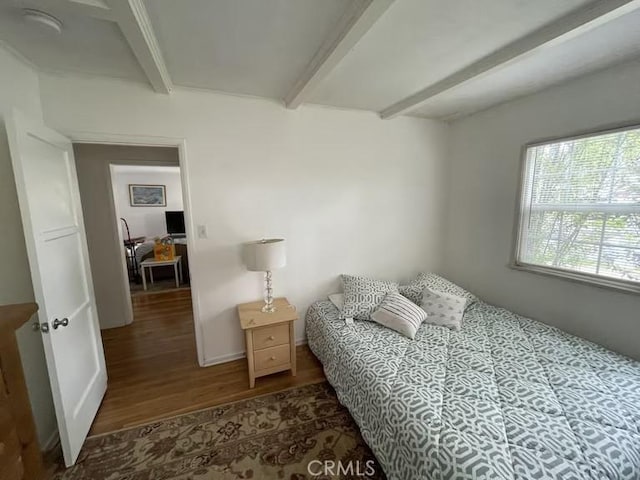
x: 149, y: 208
x: 53, y: 217
x: 134, y: 201
x: 105, y: 203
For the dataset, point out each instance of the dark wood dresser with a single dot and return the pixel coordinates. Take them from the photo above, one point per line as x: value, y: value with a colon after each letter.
x: 20, y: 457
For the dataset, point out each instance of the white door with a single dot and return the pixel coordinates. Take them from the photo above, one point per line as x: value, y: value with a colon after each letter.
x: 49, y: 198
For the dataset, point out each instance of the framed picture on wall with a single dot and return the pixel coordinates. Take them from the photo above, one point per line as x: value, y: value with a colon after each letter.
x: 147, y: 195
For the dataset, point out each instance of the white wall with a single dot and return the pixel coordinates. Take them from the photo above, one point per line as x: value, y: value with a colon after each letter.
x: 19, y: 88
x: 349, y: 192
x: 485, y: 161
x: 147, y: 221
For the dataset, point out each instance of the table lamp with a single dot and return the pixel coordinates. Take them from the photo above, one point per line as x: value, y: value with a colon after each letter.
x: 264, y: 256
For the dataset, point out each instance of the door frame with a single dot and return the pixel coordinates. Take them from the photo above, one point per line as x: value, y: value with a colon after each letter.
x: 181, y: 145
x: 119, y: 238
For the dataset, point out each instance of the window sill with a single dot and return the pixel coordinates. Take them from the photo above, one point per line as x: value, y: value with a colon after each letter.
x: 585, y: 278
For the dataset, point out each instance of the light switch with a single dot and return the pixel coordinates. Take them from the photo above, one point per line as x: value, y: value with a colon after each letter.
x: 202, y: 231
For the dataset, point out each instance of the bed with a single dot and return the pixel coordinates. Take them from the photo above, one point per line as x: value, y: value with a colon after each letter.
x: 505, y: 397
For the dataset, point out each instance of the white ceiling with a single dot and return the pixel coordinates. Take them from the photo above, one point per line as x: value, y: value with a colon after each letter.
x: 418, y: 42
x: 254, y: 47
x: 88, y: 45
x: 323, y: 52
x: 608, y: 44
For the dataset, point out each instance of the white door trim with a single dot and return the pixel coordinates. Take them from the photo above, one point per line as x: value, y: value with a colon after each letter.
x: 119, y: 238
x: 181, y: 145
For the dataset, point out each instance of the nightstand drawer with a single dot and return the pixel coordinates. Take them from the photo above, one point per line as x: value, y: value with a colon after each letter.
x: 272, y: 357
x: 271, y: 336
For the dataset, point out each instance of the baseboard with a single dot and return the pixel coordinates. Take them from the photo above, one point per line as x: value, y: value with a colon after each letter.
x: 208, y: 362
x: 51, y: 453
x: 52, y: 442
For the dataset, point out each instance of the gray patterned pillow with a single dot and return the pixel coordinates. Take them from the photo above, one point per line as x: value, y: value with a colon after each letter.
x: 412, y: 291
x: 400, y: 314
x: 415, y: 289
x: 362, y: 295
x: 443, y: 309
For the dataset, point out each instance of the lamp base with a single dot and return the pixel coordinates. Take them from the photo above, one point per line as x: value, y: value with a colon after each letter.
x: 268, y: 308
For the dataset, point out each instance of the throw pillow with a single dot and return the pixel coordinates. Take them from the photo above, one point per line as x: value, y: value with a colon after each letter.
x: 443, y: 309
x: 414, y: 290
x: 337, y: 299
x: 400, y: 314
x: 363, y: 295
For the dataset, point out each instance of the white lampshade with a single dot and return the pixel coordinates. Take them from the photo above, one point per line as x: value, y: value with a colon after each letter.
x: 265, y: 255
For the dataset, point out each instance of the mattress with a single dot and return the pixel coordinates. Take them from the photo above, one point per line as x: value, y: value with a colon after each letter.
x: 506, y: 397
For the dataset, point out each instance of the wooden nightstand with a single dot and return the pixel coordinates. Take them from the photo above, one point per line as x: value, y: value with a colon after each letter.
x: 270, y: 338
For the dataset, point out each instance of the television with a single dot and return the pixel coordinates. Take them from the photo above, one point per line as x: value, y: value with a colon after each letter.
x: 175, y: 223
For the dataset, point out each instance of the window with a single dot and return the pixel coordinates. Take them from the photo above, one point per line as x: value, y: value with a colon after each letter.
x: 580, y: 209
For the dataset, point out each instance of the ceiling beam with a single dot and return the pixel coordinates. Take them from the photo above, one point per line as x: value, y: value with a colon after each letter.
x: 357, y: 21
x: 133, y: 20
x: 554, y: 33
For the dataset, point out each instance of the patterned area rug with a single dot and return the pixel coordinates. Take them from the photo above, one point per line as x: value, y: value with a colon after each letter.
x: 302, y: 433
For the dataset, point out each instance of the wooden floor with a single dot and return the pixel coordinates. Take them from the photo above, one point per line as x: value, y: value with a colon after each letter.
x: 153, y: 369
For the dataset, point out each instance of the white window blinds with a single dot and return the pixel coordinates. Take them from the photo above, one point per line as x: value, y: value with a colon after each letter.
x: 580, y: 206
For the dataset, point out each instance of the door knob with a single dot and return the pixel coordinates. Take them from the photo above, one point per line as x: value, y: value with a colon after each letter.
x: 57, y: 323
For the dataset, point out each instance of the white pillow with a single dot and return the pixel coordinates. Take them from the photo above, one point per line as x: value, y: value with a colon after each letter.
x: 400, y: 314
x: 337, y: 299
x: 443, y: 308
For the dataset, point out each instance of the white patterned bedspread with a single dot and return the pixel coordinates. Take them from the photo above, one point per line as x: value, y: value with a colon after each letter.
x: 505, y: 398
